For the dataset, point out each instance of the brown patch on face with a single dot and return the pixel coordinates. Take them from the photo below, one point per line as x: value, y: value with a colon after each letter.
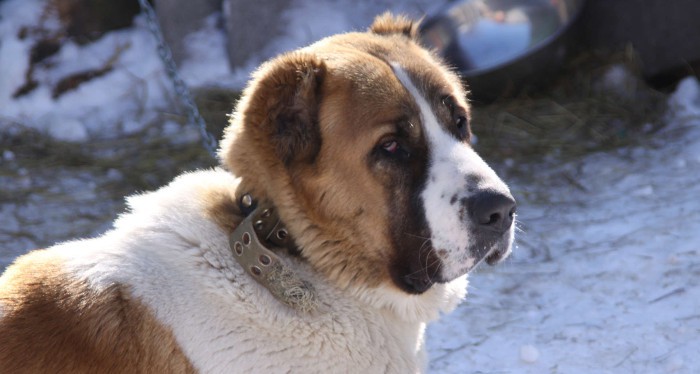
x: 342, y: 195
x: 315, y: 181
x: 354, y: 213
x: 51, y: 323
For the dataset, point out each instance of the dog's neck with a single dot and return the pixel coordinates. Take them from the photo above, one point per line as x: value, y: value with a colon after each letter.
x: 255, y: 244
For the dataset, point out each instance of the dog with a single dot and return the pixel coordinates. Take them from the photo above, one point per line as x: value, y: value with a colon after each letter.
x: 347, y: 211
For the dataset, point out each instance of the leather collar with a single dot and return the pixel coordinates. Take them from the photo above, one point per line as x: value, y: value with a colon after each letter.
x: 255, y: 243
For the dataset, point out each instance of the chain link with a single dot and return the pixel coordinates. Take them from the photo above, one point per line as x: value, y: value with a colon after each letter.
x: 193, y: 115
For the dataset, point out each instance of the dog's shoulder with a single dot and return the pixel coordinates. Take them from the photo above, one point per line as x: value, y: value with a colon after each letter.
x: 90, y: 305
x: 51, y: 321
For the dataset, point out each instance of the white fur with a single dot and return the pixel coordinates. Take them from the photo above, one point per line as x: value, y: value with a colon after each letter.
x: 178, y: 262
x: 452, y: 162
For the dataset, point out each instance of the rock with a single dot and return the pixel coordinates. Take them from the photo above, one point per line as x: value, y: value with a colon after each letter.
x: 178, y: 18
x: 87, y: 21
x: 250, y: 26
x: 529, y: 354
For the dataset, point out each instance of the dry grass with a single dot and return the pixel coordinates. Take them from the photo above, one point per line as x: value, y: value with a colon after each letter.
x: 574, y: 116
x: 146, y: 162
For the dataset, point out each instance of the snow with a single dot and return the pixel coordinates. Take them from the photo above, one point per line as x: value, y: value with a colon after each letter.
x: 122, y: 101
x: 137, y: 90
x: 68, y: 129
x: 14, y: 14
x: 208, y: 63
x: 606, y: 273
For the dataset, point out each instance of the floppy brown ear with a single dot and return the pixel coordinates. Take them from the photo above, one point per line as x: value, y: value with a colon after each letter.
x: 388, y: 23
x: 285, y: 104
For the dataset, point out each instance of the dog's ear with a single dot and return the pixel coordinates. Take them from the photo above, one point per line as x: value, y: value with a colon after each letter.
x: 285, y: 104
x: 388, y: 23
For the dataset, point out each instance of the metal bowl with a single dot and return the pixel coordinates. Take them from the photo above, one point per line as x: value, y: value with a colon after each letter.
x: 501, y: 45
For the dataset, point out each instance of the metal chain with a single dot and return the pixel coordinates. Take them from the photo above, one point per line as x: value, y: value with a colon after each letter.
x: 193, y: 115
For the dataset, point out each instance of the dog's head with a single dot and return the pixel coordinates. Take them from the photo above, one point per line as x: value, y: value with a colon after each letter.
x: 362, y: 141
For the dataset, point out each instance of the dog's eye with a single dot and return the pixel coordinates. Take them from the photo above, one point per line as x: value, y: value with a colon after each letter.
x: 457, y: 114
x: 393, y: 149
x: 449, y: 102
x: 462, y: 127
x: 390, y: 146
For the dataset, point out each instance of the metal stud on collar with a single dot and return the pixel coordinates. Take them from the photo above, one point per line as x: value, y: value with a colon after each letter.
x: 247, y: 200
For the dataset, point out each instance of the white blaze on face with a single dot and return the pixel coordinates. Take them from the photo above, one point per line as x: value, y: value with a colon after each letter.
x: 452, y: 164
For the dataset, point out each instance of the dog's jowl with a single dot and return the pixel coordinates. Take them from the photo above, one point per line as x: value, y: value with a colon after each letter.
x: 347, y: 211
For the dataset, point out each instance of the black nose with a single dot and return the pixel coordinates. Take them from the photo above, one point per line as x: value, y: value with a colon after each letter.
x: 492, y: 210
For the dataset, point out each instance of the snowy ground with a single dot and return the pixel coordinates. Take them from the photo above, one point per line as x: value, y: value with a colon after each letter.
x: 605, y: 277
x: 606, y: 270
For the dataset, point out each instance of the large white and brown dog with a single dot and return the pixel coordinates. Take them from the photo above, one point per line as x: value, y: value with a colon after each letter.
x: 349, y: 210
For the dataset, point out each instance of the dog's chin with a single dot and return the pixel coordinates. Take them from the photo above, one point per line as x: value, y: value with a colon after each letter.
x: 416, y: 284
x: 500, y: 250
x: 418, y: 281
x: 492, y: 255
x: 492, y: 252
x: 498, y: 255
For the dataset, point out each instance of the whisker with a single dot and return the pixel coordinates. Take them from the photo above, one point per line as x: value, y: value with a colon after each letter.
x: 426, y: 266
x: 416, y: 236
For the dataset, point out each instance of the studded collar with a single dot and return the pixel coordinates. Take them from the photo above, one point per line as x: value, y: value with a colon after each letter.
x: 255, y: 244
